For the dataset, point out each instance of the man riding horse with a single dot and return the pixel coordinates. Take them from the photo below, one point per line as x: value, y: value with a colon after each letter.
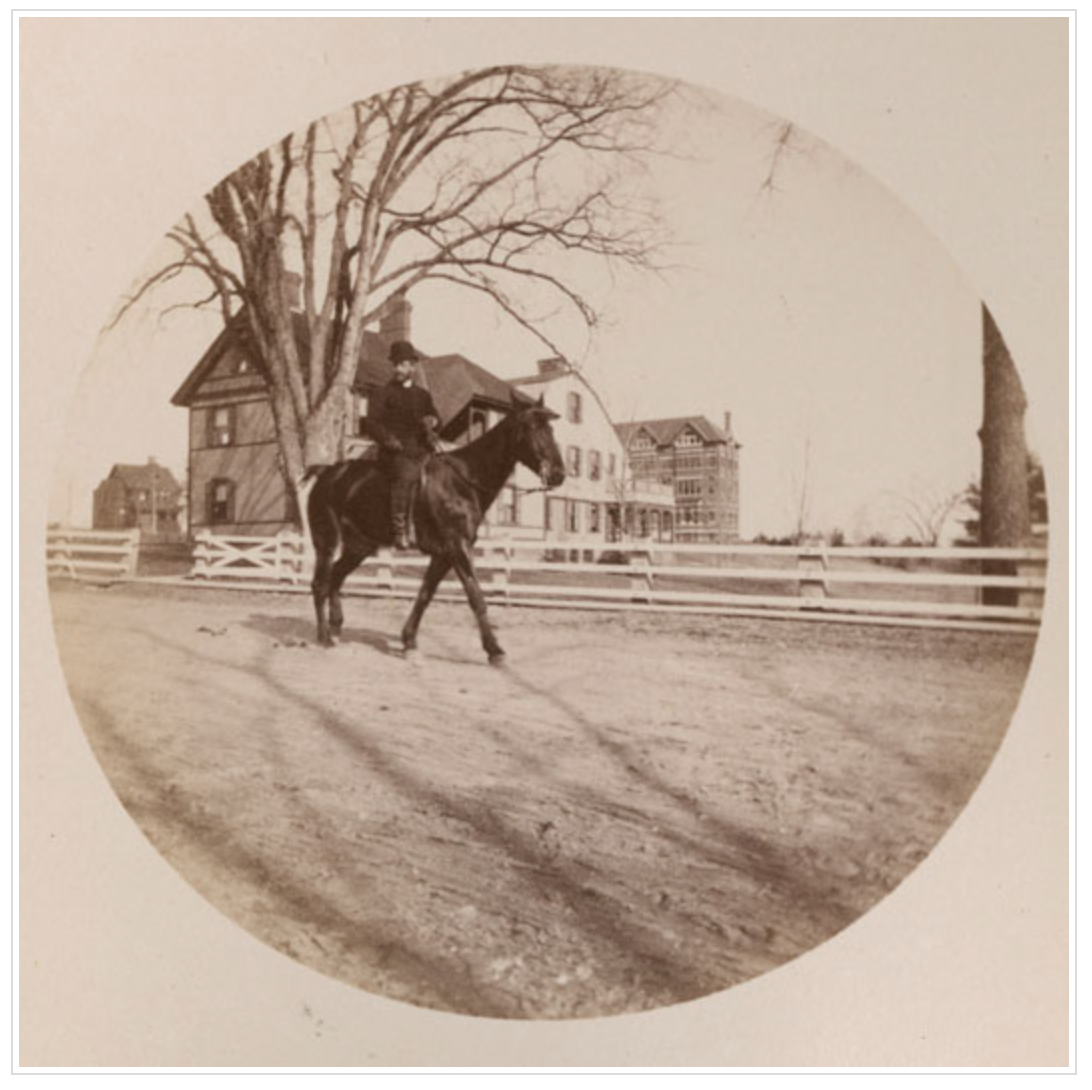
x: 403, y: 420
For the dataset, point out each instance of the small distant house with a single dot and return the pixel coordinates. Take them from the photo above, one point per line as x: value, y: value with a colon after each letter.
x: 599, y: 499
x: 235, y: 479
x: 699, y: 461
x: 145, y: 497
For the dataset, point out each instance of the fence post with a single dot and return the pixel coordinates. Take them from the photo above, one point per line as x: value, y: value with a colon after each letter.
x: 284, y: 558
x: 813, y: 563
x: 132, y: 554
x: 640, y: 582
x: 201, y: 554
x: 57, y: 542
x: 498, y: 579
x: 1030, y: 597
x: 385, y: 569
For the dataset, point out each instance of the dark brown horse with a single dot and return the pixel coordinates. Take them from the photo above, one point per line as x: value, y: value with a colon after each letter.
x: 349, y: 512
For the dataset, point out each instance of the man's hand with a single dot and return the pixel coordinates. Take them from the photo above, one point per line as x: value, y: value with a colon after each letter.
x: 393, y: 445
x: 432, y: 440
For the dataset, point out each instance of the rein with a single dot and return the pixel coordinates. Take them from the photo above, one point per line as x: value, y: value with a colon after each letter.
x: 485, y: 492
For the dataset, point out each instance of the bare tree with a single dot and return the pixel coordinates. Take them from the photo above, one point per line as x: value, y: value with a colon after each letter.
x: 503, y: 181
x: 929, y: 513
x: 801, y: 486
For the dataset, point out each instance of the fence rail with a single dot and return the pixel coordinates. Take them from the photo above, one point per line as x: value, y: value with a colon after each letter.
x: 96, y: 555
x: 936, y: 586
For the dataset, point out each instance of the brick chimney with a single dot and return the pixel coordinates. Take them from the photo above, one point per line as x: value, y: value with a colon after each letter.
x: 728, y: 424
x: 555, y: 365
x: 396, y: 321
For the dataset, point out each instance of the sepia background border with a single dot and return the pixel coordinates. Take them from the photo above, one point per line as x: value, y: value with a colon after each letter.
x: 123, y: 123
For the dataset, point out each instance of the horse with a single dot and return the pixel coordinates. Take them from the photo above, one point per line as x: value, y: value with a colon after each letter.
x: 349, y: 513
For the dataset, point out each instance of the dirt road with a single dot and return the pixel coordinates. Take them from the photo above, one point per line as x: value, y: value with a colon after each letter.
x: 634, y: 812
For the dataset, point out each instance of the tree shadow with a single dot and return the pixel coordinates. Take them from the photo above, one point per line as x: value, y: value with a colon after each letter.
x: 426, y: 980
x: 642, y: 952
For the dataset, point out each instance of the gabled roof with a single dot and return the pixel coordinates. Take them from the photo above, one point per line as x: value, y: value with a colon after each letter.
x: 665, y: 431
x: 229, y: 335
x: 145, y: 476
x: 453, y: 380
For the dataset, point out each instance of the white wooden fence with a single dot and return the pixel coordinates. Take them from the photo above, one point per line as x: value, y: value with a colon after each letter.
x: 915, y: 586
x: 96, y: 555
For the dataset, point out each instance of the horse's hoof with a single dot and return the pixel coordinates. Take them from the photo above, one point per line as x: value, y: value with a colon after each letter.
x: 498, y: 658
x: 411, y: 654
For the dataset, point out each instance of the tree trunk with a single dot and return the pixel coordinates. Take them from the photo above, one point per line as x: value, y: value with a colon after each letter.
x: 319, y: 441
x: 1005, y: 518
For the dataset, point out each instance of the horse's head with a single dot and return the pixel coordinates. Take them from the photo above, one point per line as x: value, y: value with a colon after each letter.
x: 536, y: 446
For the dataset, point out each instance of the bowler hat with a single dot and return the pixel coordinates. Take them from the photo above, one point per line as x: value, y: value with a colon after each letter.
x: 403, y: 350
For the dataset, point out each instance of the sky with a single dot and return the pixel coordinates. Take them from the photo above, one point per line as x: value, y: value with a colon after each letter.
x: 821, y: 314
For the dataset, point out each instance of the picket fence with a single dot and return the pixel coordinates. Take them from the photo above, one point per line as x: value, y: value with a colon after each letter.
x: 92, y: 555
x: 914, y: 586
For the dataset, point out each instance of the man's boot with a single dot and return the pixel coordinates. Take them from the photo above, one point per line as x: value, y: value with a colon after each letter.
x: 401, y: 538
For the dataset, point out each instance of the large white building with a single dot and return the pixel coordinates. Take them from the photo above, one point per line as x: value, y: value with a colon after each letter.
x: 599, y: 500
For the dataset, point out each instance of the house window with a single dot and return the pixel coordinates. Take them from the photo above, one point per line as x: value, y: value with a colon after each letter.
x: 572, y: 516
x: 361, y: 416
x: 595, y: 467
x: 688, y: 488
x: 612, y: 465
x: 508, y: 508
x: 222, y: 426
x: 243, y: 367
x: 594, y: 519
x: 479, y: 423
x: 642, y: 442
x: 573, y: 460
x: 688, y: 439
x: 575, y: 407
x: 221, y: 501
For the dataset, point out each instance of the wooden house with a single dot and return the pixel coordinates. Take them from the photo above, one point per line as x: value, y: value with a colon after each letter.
x: 600, y: 498
x: 235, y: 478
x: 145, y: 497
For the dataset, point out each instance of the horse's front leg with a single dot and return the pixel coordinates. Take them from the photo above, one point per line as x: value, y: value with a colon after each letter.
x: 320, y: 593
x: 464, y: 568
x: 347, y: 563
x: 438, y: 567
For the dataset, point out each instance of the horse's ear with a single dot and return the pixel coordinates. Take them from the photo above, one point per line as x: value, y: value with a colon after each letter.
x: 540, y: 406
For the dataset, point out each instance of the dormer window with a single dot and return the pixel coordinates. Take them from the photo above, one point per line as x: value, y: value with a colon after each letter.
x: 243, y: 367
x: 688, y: 439
x: 574, y: 407
x: 642, y: 442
